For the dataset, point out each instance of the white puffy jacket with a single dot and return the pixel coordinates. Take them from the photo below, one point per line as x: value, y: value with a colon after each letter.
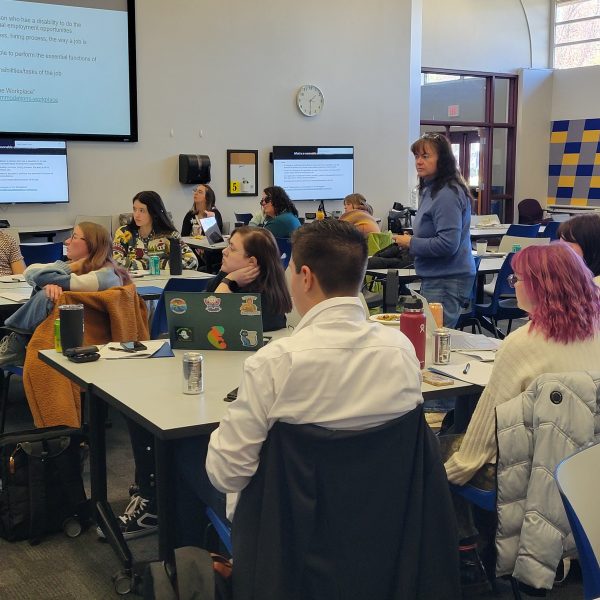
x: 555, y: 416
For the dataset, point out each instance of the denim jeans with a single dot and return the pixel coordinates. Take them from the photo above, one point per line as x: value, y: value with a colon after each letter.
x: 31, y: 314
x: 453, y: 292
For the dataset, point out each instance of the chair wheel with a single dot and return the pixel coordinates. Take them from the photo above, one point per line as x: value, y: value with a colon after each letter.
x: 122, y: 582
x: 72, y: 527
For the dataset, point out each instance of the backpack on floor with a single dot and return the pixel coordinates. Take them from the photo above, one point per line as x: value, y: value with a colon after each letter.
x: 41, y: 489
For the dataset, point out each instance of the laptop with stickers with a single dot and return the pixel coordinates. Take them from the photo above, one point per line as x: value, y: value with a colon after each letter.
x: 211, y: 230
x: 211, y: 321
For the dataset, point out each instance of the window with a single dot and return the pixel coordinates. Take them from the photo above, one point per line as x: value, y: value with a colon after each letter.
x: 576, y: 33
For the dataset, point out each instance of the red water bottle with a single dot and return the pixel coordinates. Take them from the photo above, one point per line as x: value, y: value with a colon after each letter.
x: 412, y: 325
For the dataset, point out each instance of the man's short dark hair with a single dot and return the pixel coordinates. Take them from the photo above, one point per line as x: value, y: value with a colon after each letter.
x: 335, y: 251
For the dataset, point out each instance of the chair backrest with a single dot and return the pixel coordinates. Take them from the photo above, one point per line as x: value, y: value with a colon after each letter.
x: 159, y: 320
x: 285, y: 250
x: 550, y: 230
x: 41, y: 253
x: 578, y: 481
x: 502, y: 290
x: 105, y: 221
x: 508, y: 241
x: 479, y: 220
x: 243, y: 217
x: 378, y: 241
x: 530, y: 211
x: 523, y: 230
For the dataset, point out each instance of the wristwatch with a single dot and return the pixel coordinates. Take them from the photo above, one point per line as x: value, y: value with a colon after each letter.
x: 232, y: 285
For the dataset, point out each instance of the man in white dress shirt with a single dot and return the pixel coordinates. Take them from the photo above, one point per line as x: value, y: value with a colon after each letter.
x: 337, y: 370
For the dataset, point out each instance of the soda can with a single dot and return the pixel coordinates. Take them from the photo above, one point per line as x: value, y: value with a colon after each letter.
x: 437, y: 310
x: 441, y: 346
x: 516, y: 247
x: 154, y: 265
x: 193, y: 376
x: 57, y: 345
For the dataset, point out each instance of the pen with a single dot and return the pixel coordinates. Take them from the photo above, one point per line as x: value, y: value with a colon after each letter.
x: 466, y: 369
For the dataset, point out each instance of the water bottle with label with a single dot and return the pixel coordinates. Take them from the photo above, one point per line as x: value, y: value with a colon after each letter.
x: 413, y: 326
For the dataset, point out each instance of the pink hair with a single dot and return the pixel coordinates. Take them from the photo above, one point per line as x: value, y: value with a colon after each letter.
x: 566, y: 299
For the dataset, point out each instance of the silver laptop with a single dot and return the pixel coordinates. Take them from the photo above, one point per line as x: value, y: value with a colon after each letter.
x: 211, y: 230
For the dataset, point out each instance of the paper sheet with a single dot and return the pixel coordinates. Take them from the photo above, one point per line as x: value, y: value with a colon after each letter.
x: 461, y: 340
x: 483, y: 355
x: 12, y: 278
x: 478, y: 372
x: 152, y: 347
x: 16, y: 296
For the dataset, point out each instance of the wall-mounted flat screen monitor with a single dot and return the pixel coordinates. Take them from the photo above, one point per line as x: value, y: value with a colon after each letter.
x: 314, y: 172
x: 67, y: 70
x: 33, y: 172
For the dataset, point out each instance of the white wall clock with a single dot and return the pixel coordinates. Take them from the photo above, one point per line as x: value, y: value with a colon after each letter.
x: 310, y: 100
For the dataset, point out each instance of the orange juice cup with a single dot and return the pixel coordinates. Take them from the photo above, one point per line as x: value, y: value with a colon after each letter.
x: 437, y: 310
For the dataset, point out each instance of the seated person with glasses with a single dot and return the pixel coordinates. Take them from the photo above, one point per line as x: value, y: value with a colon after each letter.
x: 553, y: 284
x: 11, y: 259
x: 90, y: 268
x: 280, y: 211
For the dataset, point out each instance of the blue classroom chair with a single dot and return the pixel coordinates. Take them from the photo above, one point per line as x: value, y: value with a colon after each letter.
x: 518, y: 230
x: 41, y: 253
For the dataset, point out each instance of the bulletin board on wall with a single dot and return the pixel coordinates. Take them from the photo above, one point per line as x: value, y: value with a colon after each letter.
x: 574, y: 166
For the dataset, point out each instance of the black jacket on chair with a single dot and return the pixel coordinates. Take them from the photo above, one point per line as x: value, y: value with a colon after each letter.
x: 347, y: 515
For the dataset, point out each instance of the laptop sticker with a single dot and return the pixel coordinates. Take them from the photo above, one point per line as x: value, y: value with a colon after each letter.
x: 213, y: 304
x: 178, y: 306
x: 184, y: 334
x: 248, y: 306
x: 215, y: 337
x: 249, y: 338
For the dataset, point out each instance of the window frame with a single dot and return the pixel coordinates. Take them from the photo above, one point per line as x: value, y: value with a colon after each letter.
x: 555, y: 23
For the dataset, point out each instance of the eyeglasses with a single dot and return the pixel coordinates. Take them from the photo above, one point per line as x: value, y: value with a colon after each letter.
x: 265, y: 201
x: 512, y: 280
x: 74, y: 236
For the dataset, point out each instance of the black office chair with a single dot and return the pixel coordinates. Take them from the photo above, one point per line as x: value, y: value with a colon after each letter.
x: 243, y: 217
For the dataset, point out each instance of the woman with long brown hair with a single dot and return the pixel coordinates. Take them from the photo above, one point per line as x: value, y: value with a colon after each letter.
x: 90, y: 268
x: 251, y: 263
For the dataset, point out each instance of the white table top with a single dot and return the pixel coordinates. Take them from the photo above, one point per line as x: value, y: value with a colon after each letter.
x: 487, y: 265
x: 17, y: 284
x: 41, y: 228
x: 158, y: 399
x: 195, y: 242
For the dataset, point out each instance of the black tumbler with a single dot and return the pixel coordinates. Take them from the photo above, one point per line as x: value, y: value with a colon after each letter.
x: 174, y: 256
x: 71, y: 325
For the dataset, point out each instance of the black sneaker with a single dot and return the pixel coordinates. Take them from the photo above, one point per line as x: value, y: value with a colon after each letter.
x: 139, y: 519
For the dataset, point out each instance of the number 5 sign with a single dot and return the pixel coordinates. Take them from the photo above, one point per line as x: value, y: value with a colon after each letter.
x: 242, y: 172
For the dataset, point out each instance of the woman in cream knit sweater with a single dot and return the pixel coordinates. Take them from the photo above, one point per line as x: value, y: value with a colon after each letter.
x: 553, y: 284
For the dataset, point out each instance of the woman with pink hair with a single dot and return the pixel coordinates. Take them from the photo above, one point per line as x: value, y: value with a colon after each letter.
x: 556, y: 288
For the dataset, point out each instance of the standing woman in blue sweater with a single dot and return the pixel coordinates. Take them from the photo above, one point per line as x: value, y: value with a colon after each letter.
x: 441, y: 241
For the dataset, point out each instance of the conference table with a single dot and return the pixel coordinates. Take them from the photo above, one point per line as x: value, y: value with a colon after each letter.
x: 203, y: 243
x: 159, y: 406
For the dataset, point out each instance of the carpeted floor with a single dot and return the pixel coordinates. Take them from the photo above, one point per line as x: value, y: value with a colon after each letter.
x: 62, y: 568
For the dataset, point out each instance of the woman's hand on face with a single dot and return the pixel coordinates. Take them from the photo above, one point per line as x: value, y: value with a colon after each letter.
x: 53, y: 292
x: 245, y: 275
x: 402, y: 240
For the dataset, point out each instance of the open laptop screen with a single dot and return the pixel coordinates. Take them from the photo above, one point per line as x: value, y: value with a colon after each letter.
x: 211, y: 230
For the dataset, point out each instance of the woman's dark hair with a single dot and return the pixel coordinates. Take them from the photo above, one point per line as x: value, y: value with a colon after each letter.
x: 161, y: 223
x: 447, y: 172
x: 261, y: 244
x: 280, y: 200
x: 209, y: 194
x: 585, y: 231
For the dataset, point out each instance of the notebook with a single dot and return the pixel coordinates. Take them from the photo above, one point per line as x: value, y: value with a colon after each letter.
x: 211, y: 230
x: 211, y: 321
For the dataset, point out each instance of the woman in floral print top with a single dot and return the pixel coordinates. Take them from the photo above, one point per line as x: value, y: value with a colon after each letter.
x: 149, y: 232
